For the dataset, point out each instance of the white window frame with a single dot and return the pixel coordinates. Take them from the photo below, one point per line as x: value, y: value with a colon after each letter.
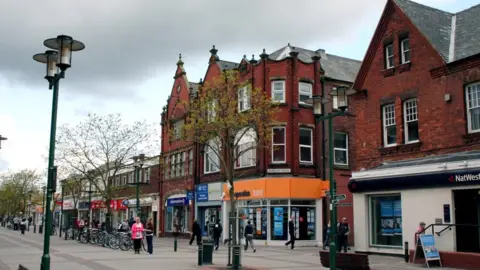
x: 124, y: 179
x: 172, y: 166
x: 341, y: 149
x: 300, y: 146
x: 177, y: 128
x: 406, y: 117
x: 386, y: 125
x: 132, y: 177
x: 278, y: 91
x: 248, y: 140
x: 303, y: 93
x: 475, y: 87
x: 403, y: 50
x: 388, y: 56
x: 190, y: 162
x: 284, y: 144
x: 183, y: 164
x: 146, y: 174
x: 243, y: 99
x: 166, y: 167
x: 206, y: 156
x: 178, y: 165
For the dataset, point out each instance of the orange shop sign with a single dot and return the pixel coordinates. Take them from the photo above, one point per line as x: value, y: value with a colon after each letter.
x: 291, y: 188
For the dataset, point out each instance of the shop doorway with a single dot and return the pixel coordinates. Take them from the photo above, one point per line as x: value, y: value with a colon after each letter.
x: 467, y: 218
x: 207, y: 216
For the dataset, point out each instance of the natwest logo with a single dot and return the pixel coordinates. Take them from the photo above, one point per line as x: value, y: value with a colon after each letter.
x: 465, y: 178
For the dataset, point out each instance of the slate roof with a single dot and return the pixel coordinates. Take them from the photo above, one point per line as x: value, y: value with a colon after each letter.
x: 335, y: 67
x: 454, y: 157
x: 226, y: 65
x: 454, y: 35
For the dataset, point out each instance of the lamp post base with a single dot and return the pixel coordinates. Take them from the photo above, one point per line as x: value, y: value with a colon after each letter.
x: 45, y: 262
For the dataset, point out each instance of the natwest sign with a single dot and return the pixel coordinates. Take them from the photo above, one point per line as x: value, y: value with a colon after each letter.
x: 468, y: 177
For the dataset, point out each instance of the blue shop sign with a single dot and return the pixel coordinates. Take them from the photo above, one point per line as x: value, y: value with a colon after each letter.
x: 190, y: 195
x: 177, y: 201
x: 202, y: 193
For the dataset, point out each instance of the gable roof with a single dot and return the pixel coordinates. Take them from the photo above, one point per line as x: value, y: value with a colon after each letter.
x: 335, y: 67
x: 454, y: 35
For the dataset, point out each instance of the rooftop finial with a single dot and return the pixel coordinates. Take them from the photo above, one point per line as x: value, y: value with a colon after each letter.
x: 180, y: 62
x: 288, y: 44
x: 244, y: 56
x: 264, y: 54
x: 214, y: 56
x: 253, y: 61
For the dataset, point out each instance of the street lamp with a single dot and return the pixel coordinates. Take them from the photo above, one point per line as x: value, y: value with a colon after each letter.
x: 317, y: 101
x: 58, y: 57
x: 138, y: 164
x: 2, y: 139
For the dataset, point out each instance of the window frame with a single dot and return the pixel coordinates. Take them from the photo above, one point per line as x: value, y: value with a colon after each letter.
x: 403, y: 51
x: 166, y: 168
x: 207, y: 151
x: 177, y: 129
x: 190, y: 162
x: 405, y: 120
x: 212, y: 111
x: 384, y: 125
x: 300, y: 146
x: 244, y: 99
x: 172, y: 165
x: 252, y: 144
x: 370, y: 198
x: 310, y: 94
x: 273, y: 90
x: 284, y: 144
x: 388, y: 57
x: 341, y: 149
x: 146, y: 174
x: 467, y: 105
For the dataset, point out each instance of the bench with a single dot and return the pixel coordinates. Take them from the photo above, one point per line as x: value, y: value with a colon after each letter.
x: 346, y: 261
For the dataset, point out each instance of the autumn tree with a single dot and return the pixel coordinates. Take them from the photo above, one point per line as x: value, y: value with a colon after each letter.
x: 231, y: 119
x: 98, y: 148
x: 16, y: 188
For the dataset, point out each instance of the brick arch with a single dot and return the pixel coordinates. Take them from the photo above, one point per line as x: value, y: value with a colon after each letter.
x: 472, y: 76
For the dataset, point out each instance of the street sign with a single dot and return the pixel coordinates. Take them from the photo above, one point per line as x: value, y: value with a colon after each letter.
x: 344, y: 204
x: 341, y: 197
x: 334, y: 201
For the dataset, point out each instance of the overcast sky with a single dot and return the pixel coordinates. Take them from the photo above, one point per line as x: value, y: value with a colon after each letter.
x: 132, y: 48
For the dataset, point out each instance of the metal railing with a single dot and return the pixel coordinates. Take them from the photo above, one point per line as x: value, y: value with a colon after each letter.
x: 447, y: 226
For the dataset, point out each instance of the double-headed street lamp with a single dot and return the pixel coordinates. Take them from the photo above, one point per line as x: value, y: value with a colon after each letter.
x: 57, y: 61
x: 138, y: 164
x: 318, y: 101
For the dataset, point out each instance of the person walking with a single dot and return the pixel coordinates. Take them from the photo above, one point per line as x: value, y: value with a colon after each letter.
x: 149, y: 235
x: 23, y: 226
x: 291, y: 232
x: 326, y: 243
x: 217, y: 232
x: 343, y: 230
x: 249, y: 236
x: 137, y: 235
x: 196, y: 232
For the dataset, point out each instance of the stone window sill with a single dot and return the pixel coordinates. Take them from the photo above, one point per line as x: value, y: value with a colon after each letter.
x: 400, y: 149
x: 388, y: 72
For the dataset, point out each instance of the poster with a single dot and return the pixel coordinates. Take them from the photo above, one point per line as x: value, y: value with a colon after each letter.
x: 429, y: 249
x: 391, y: 217
x: 397, y: 208
x: 386, y: 208
x: 258, y: 222
x: 278, y: 221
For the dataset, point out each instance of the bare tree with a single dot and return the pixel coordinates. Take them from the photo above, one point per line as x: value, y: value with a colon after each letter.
x: 99, y: 147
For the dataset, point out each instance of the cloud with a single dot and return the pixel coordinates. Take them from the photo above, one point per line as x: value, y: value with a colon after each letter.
x: 127, y: 42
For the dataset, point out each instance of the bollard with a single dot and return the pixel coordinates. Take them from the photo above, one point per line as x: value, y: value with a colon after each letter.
x: 407, y: 252
x: 200, y: 255
x: 175, y: 244
x: 34, y: 228
x: 40, y: 229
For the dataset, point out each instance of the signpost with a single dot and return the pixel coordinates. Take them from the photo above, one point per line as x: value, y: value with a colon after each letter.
x: 425, y: 248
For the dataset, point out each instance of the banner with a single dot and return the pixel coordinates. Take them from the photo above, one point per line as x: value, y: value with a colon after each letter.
x: 278, y: 221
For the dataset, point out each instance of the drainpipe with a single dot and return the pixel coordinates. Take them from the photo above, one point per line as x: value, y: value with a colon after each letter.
x: 264, y: 57
x: 324, y: 165
x: 252, y: 63
x: 293, y: 55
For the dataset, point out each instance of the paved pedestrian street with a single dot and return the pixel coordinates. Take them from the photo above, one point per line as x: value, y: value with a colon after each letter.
x: 16, y: 249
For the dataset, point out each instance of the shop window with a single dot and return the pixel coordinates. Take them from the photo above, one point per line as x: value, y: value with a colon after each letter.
x: 473, y: 107
x: 279, y: 222
x: 410, y: 113
x: 389, y: 125
x: 340, y: 149
x: 246, y: 151
x: 190, y: 160
x: 211, y: 158
x: 304, y: 222
x: 386, y: 220
x: 177, y: 215
x: 304, y: 92
x: 258, y: 218
x: 278, y: 145
x: 278, y: 91
x: 306, y: 145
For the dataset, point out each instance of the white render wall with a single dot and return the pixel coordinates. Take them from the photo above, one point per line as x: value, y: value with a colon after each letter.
x: 417, y: 205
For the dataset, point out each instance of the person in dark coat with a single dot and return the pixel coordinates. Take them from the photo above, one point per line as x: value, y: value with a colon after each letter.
x: 196, y: 232
x: 217, y: 232
x: 343, y: 229
x: 291, y: 232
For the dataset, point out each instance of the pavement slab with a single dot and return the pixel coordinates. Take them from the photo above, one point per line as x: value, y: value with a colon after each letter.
x: 27, y: 250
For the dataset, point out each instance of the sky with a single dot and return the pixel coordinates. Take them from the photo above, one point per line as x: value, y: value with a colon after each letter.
x: 132, y: 48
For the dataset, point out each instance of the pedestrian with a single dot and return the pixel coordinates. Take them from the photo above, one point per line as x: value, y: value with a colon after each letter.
x: 291, y: 232
x: 343, y: 230
x: 196, y: 232
x: 248, y: 233
x: 149, y: 235
x: 217, y: 232
x: 326, y: 243
x: 420, y: 230
x: 137, y: 235
x: 23, y: 225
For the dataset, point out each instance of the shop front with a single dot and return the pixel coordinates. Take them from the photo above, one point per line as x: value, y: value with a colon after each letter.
x: 178, y: 213
x: 69, y: 213
x: 268, y: 203
x: 391, y: 201
x: 208, y: 206
x: 148, y: 208
x: 119, y: 211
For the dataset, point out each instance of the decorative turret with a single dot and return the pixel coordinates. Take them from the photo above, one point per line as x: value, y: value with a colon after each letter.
x: 180, y: 62
x: 214, y: 57
x: 264, y: 55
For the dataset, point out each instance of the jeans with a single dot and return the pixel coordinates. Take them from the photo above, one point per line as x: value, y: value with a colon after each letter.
x: 249, y: 240
x: 149, y: 243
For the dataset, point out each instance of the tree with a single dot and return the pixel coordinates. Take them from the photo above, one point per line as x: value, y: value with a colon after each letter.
x: 99, y: 147
x: 16, y: 189
x: 228, y: 136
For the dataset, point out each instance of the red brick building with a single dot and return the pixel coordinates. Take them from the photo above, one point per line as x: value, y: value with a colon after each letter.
x: 287, y: 180
x: 416, y: 130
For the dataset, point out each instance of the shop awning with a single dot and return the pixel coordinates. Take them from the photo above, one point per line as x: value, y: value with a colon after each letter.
x: 450, y: 170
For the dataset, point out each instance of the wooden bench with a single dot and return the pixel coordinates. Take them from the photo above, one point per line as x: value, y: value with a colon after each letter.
x: 346, y: 261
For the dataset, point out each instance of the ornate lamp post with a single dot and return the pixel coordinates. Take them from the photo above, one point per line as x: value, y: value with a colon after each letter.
x: 59, y: 57
x: 318, y: 101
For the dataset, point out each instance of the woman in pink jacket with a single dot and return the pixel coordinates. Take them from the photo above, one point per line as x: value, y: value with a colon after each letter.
x: 137, y: 235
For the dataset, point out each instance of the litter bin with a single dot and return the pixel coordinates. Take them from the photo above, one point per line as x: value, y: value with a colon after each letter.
x: 207, y: 257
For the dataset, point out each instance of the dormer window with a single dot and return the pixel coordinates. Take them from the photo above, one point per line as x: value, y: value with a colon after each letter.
x: 389, y: 56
